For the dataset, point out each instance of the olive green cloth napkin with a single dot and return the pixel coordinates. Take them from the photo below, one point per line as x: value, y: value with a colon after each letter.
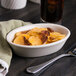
x: 5, y: 50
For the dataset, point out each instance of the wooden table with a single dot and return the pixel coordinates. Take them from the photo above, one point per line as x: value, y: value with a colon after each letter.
x: 65, y: 66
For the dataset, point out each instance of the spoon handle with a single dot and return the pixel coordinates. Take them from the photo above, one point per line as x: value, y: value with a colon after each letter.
x: 36, y: 69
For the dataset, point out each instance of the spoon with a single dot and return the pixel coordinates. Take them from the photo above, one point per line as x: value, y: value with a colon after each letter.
x: 41, y: 67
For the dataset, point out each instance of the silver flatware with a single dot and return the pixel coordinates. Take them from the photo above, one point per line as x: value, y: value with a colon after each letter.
x: 35, y: 69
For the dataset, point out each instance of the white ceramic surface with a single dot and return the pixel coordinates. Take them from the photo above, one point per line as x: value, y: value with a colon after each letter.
x: 13, y: 4
x: 41, y: 50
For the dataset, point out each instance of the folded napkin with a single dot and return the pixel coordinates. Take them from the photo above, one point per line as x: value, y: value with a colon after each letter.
x: 5, y: 50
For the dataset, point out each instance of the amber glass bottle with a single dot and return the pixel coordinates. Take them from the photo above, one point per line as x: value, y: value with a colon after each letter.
x: 52, y: 10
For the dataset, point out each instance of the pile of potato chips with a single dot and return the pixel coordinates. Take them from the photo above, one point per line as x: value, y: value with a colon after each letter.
x: 37, y: 36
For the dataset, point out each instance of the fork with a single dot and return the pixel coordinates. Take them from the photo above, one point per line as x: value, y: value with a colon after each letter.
x: 41, y: 67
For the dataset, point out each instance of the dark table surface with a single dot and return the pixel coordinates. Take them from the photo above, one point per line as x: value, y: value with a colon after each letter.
x: 65, y: 66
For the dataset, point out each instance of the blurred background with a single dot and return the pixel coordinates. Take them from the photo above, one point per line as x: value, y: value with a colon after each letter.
x: 32, y: 12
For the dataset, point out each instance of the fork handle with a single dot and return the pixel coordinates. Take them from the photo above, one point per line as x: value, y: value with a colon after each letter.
x: 41, y: 67
x: 36, y: 69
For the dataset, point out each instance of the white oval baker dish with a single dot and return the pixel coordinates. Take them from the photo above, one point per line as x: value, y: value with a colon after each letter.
x: 40, y: 50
